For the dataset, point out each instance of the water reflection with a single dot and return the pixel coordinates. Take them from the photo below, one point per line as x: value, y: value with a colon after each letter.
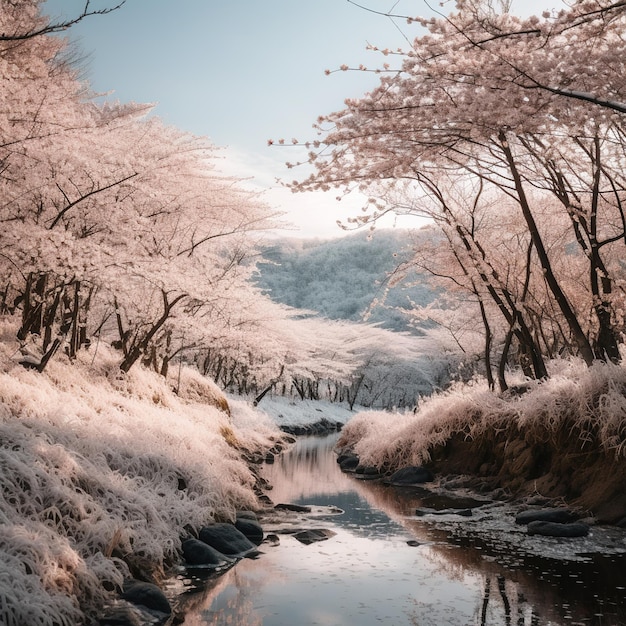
x: 368, y: 573
x: 306, y: 471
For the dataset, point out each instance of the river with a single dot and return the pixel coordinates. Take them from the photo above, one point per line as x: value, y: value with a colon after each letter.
x: 383, y: 564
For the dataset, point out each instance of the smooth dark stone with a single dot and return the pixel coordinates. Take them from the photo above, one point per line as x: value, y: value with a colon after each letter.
x: 198, y: 552
x: 294, y: 429
x: 322, y: 427
x: 555, y: 529
x: 247, y: 515
x: 250, y: 528
x: 225, y: 538
x: 146, y: 594
x: 296, y: 508
x: 308, y: 537
x: 348, y: 463
x: 272, y: 540
x: 366, y: 477
x: 558, y: 516
x: 346, y: 455
x: 411, y: 476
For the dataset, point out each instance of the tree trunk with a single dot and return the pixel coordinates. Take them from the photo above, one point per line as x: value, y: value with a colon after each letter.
x: 32, y: 311
x: 503, y: 385
x: 49, y: 317
x: 606, y: 344
x: 269, y: 387
x: 578, y: 335
x: 488, y: 342
x: 140, y: 344
x: 507, y: 306
x: 73, y: 320
x: 299, y: 387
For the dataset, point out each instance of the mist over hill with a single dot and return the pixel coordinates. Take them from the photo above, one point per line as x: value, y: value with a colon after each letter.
x: 341, y: 278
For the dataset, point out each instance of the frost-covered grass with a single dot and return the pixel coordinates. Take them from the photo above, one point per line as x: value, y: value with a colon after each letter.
x: 103, y: 473
x: 587, y: 403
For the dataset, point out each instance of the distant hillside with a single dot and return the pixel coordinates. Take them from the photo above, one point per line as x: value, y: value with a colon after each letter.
x: 340, y: 278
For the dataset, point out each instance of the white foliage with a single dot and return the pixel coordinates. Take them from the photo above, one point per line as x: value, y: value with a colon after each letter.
x: 589, y: 402
x: 91, y: 466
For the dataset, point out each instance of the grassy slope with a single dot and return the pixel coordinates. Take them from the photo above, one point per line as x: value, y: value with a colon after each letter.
x: 101, y: 474
x: 564, y: 438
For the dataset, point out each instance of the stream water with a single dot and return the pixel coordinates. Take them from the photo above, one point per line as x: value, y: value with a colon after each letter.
x: 383, y: 564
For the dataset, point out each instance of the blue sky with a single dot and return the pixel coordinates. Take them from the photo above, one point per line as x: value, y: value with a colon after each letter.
x: 243, y: 71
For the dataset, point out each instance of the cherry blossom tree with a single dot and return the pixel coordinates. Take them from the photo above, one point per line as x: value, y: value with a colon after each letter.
x: 112, y: 222
x: 595, y: 25
x: 485, y: 255
x: 469, y: 101
x: 286, y: 349
x: 116, y: 227
x: 42, y: 107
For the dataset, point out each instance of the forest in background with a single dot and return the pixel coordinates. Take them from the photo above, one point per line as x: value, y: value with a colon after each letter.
x: 348, y: 278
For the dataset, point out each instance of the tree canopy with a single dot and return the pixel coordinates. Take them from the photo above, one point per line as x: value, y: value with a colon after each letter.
x: 112, y: 220
x: 509, y: 134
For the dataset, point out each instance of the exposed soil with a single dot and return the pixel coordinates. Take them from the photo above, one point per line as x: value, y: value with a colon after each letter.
x: 564, y: 466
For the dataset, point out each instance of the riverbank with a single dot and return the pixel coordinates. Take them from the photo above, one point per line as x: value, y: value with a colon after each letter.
x: 563, y: 439
x: 104, y: 474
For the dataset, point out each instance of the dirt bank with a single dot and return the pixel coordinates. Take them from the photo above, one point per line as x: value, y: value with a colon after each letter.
x: 566, y: 464
x: 562, y: 438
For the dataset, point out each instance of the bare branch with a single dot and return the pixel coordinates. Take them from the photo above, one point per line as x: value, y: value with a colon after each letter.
x: 60, y: 26
x: 93, y: 192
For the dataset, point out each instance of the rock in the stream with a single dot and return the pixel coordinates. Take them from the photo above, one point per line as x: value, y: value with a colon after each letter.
x: 408, y: 476
x: 366, y: 471
x: 558, y: 516
x: 198, y: 552
x: 248, y: 514
x: 146, y: 594
x: 323, y: 426
x: 348, y: 462
x: 308, y: 537
x: 225, y: 538
x: 296, y: 508
x: 555, y: 529
x: 250, y: 528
